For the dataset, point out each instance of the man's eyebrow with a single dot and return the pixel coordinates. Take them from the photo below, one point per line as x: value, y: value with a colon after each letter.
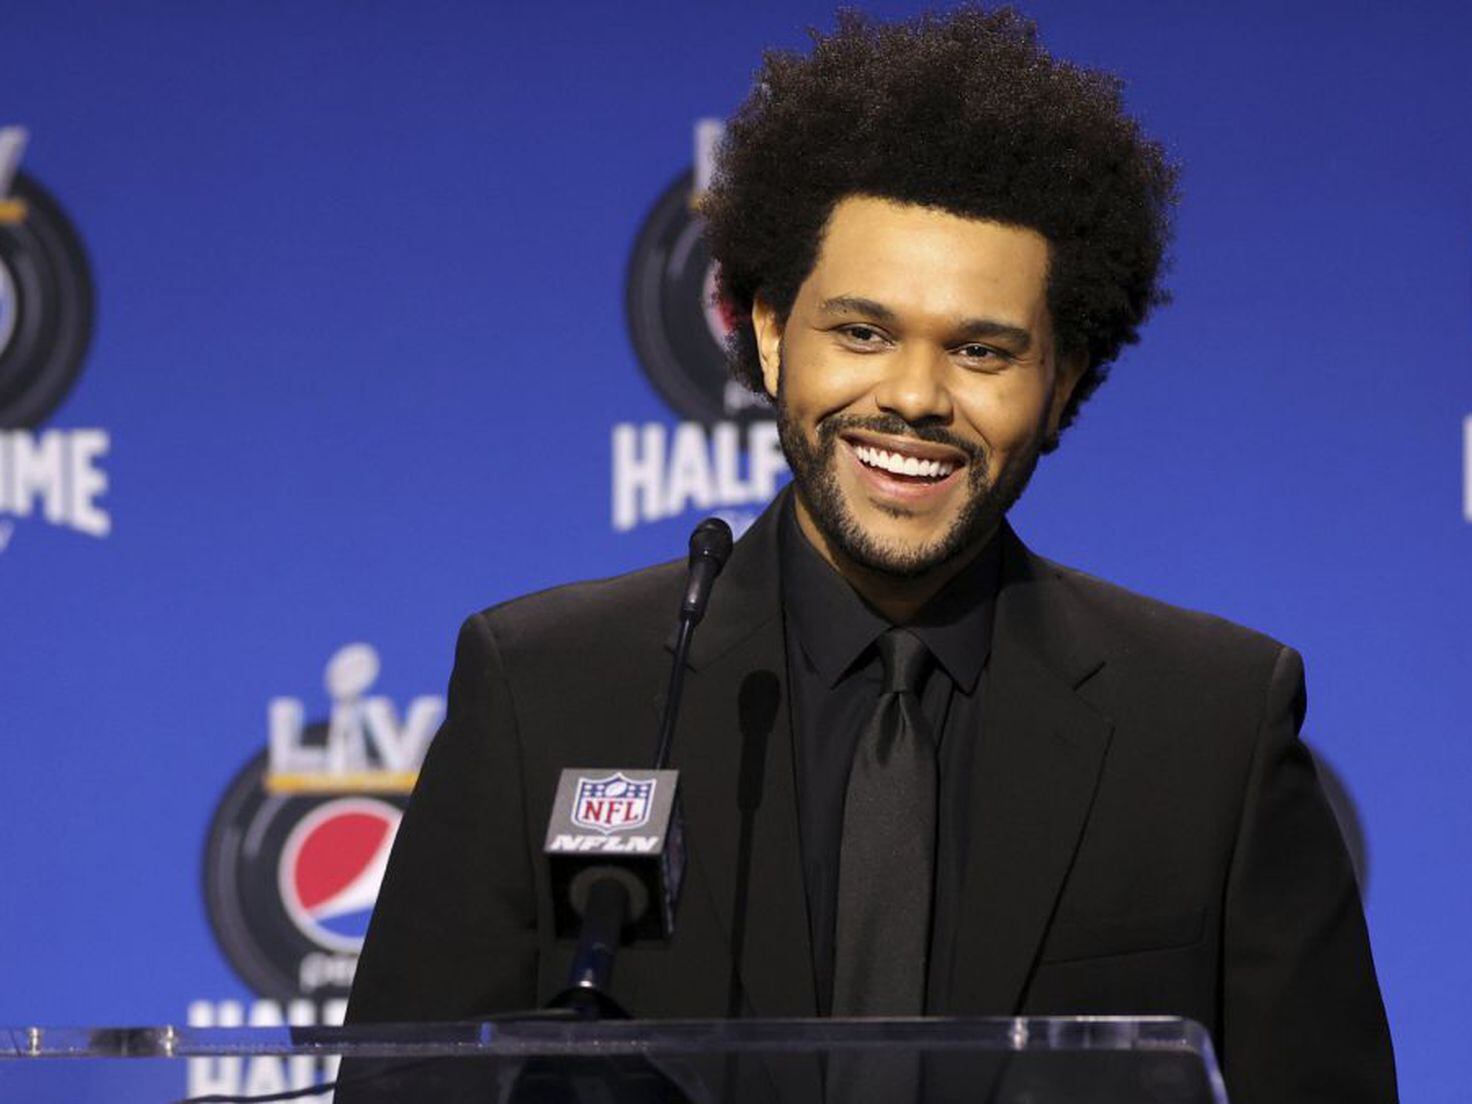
x: 855, y: 304
x: 970, y: 329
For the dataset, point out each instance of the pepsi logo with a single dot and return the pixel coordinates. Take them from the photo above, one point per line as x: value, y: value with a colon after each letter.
x: 331, y: 867
x: 290, y: 879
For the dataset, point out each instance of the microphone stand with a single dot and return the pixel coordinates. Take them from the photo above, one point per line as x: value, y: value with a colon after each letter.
x: 607, y: 910
x: 609, y: 905
x: 685, y: 634
x: 591, y: 973
x: 615, y: 899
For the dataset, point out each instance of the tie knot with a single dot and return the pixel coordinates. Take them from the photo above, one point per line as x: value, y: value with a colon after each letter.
x: 905, y: 658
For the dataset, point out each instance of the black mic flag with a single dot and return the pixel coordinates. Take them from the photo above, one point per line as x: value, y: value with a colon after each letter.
x: 621, y: 827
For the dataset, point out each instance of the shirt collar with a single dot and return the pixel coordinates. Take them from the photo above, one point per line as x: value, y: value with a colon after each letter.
x: 834, y: 626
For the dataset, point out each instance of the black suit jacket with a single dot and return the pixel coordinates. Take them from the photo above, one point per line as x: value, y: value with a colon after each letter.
x: 1149, y: 835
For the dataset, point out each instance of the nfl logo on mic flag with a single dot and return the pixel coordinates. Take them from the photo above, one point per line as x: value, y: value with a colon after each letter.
x: 617, y: 803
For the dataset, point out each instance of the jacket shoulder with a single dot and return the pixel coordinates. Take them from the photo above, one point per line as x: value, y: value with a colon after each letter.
x: 1164, y: 634
x: 639, y: 606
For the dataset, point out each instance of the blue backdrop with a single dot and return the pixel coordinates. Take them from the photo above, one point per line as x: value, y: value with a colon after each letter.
x: 361, y: 356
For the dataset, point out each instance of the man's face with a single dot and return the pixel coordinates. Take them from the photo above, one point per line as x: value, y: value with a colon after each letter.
x: 916, y: 382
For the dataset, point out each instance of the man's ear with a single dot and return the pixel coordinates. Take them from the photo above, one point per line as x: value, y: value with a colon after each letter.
x: 1071, y: 368
x: 768, y: 328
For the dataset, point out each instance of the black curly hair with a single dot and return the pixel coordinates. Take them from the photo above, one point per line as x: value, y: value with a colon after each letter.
x: 965, y: 112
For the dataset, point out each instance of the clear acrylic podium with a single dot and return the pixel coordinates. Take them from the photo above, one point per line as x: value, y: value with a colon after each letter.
x: 1073, y: 1060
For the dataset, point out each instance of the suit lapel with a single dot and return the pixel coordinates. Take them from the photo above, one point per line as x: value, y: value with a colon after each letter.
x: 740, y: 805
x: 733, y: 748
x: 1036, y: 770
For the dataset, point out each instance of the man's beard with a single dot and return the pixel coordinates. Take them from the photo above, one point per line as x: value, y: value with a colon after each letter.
x: 815, y: 475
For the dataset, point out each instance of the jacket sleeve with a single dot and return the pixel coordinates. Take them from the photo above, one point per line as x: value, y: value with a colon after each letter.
x: 1302, y: 1018
x: 453, y: 933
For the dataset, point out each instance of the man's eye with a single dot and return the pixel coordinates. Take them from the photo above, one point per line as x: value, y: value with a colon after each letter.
x: 984, y: 354
x: 863, y: 335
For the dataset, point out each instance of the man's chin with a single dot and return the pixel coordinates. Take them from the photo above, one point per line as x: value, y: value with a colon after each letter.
x: 886, y: 545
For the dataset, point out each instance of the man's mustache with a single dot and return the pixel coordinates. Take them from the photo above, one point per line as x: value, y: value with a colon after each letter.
x: 893, y: 425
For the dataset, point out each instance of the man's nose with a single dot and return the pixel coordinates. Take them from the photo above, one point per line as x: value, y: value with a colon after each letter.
x: 914, y: 386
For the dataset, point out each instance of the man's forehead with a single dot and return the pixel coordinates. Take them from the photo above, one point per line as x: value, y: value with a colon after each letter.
x: 910, y: 257
x: 873, y: 222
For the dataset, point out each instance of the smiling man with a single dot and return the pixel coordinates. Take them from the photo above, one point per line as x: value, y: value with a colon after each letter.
x: 923, y: 769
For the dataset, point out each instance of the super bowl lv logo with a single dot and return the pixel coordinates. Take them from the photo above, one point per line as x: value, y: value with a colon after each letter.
x: 45, y: 329
x: 298, y: 844
x: 617, y: 803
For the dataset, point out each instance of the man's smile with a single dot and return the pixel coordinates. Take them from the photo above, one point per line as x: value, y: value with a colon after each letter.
x: 893, y: 454
x: 908, y: 470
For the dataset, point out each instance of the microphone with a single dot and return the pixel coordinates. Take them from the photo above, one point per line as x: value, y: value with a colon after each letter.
x: 710, y: 548
x: 615, y: 840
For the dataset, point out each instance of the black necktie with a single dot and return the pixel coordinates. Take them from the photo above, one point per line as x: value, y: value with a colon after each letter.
x: 885, y: 873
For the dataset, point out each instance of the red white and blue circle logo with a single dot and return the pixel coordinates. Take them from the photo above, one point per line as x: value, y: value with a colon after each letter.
x: 331, y: 867
x: 290, y: 879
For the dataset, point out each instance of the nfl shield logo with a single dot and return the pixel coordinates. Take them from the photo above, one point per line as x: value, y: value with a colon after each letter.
x: 617, y: 803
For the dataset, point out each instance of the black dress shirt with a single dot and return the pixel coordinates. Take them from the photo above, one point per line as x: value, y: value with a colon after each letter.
x: 834, y: 671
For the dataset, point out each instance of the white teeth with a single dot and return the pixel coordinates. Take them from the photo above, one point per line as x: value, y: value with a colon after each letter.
x: 903, y: 465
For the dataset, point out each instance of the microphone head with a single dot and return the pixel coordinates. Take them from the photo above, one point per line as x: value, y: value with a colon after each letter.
x: 711, y: 542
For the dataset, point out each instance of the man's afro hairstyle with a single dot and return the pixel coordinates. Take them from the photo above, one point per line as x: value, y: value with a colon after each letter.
x: 965, y: 112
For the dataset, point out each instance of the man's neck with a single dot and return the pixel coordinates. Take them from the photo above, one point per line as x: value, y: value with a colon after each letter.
x: 896, y: 598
